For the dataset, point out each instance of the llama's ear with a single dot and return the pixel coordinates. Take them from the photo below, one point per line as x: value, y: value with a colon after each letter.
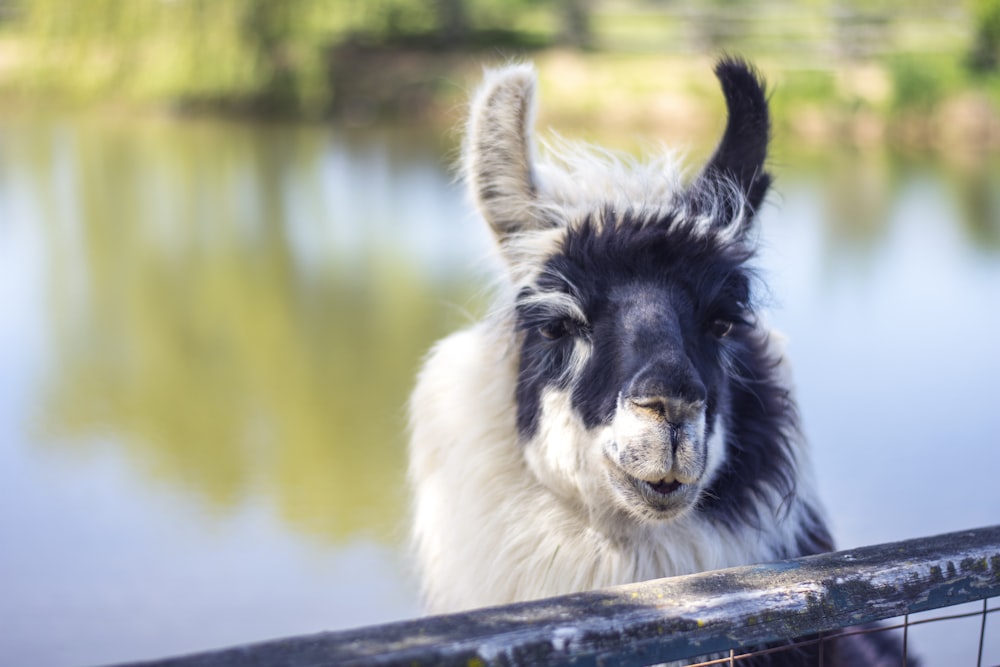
x: 738, y: 161
x: 498, y: 153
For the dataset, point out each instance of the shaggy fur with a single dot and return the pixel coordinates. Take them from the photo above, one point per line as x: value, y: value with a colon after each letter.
x: 624, y: 414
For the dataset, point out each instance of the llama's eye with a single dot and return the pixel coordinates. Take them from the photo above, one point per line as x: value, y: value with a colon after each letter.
x: 721, y: 328
x: 554, y: 330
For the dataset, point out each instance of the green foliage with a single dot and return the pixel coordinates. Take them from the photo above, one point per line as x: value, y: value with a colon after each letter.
x: 310, y: 57
x: 986, y: 48
x: 259, y: 55
x: 186, y: 51
x: 921, y: 83
x: 812, y: 85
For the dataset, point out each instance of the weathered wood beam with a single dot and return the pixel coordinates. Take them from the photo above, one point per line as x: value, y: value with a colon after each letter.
x: 663, y: 619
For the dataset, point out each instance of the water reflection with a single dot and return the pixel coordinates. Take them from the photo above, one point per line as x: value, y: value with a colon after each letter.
x: 207, y: 311
x: 857, y: 191
x: 236, y: 312
x: 974, y: 183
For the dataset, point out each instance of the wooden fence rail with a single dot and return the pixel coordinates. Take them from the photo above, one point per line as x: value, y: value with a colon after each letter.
x: 665, y: 619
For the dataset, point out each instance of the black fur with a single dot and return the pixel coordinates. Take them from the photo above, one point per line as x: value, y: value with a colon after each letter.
x: 739, y: 159
x: 654, y: 291
x: 645, y: 291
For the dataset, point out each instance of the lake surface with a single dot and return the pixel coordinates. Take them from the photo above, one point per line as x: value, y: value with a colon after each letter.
x: 208, y: 333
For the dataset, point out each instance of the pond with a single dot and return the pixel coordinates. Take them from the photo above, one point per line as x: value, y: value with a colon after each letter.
x: 209, y: 332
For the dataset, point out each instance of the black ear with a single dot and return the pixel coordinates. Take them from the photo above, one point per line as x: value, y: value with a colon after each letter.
x: 739, y: 158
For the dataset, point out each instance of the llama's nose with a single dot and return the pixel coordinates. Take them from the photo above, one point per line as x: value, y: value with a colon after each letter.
x: 666, y: 391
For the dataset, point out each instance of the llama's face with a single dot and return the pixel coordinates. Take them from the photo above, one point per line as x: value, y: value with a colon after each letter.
x: 631, y: 299
x: 625, y: 336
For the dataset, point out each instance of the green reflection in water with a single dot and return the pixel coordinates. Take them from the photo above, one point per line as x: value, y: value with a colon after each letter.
x: 244, y: 329
x: 857, y: 193
x: 189, y: 326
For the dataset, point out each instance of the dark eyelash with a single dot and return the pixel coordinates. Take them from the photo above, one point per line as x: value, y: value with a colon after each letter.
x: 549, y: 324
x: 726, y: 318
x: 556, y: 329
x: 720, y: 328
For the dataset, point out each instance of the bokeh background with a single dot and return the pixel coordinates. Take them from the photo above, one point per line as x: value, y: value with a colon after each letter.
x: 229, y: 230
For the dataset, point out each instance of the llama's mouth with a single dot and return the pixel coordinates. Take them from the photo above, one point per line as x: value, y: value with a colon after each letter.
x: 657, y: 499
x: 659, y: 491
x: 662, y: 499
x: 662, y: 487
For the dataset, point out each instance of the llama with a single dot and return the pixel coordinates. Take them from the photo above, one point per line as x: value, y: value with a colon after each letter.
x: 623, y: 414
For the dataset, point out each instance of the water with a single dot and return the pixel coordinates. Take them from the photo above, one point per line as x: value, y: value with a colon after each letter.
x: 208, y: 332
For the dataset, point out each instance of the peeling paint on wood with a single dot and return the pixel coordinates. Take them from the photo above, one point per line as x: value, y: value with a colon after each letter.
x: 665, y: 619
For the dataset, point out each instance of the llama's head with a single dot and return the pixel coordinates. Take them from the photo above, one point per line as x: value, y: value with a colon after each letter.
x: 631, y: 300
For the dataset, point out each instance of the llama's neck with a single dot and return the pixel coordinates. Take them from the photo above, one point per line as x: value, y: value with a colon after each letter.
x: 488, y: 532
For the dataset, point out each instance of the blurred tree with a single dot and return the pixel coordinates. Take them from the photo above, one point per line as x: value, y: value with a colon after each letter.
x: 268, y: 29
x: 576, y: 23
x: 985, y: 54
x: 452, y: 21
x: 716, y: 23
x: 861, y: 28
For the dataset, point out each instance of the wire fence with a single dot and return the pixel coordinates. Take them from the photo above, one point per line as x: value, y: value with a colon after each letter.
x: 713, y: 616
x: 988, y: 606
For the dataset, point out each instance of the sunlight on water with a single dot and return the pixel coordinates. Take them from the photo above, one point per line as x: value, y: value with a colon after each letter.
x: 209, y: 333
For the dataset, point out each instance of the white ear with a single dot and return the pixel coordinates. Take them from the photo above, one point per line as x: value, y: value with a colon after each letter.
x: 498, y: 153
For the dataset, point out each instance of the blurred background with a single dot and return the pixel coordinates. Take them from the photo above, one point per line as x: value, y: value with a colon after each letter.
x: 230, y: 229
